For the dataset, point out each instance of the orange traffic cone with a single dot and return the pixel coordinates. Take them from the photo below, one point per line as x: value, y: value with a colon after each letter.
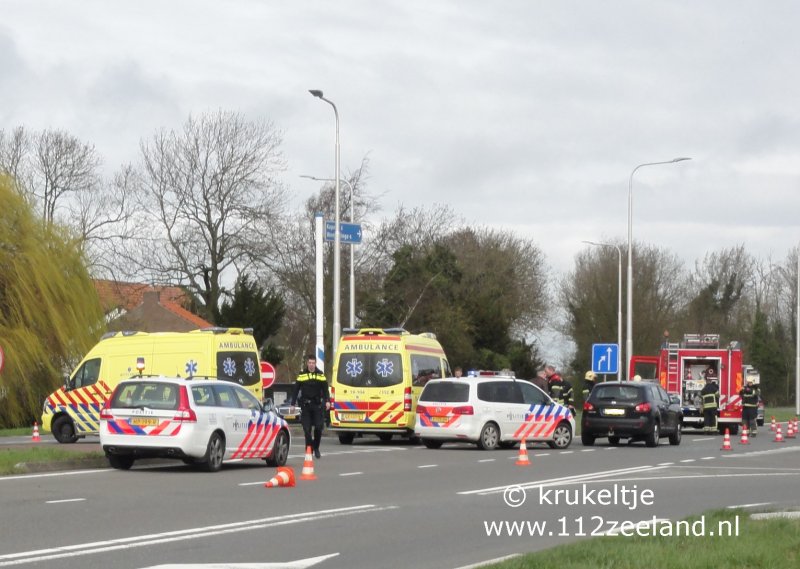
x: 36, y: 438
x: 308, y: 467
x: 772, y: 426
x: 284, y: 477
x: 726, y: 441
x: 523, y: 459
x: 790, y: 432
x: 744, y: 440
x: 778, y: 436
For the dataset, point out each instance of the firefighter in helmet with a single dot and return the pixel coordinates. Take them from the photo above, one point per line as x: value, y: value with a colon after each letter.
x: 710, y: 397
x: 750, y: 395
x: 560, y: 388
x: 588, y: 384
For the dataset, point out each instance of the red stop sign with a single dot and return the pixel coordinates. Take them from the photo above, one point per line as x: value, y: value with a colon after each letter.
x: 267, y: 375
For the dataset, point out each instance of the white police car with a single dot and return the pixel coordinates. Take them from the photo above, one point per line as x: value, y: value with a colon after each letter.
x: 198, y: 421
x: 490, y: 410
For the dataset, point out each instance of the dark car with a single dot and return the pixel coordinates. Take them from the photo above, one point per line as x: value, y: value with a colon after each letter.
x: 631, y: 410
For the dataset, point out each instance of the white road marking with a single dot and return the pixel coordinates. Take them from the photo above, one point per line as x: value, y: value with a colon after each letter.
x: 773, y: 515
x: 708, y: 458
x: 428, y: 466
x: 80, y: 549
x: 611, y: 448
x: 763, y: 452
x: 666, y: 464
x: 542, y: 454
x: 703, y: 439
x: 749, y: 505
x: 490, y: 561
x: 487, y: 460
x: 564, y: 480
x: 350, y: 473
x: 65, y: 501
x: 298, y: 564
x: 354, y: 451
x: 589, y: 450
x: 688, y: 460
x: 566, y: 452
x: 49, y: 474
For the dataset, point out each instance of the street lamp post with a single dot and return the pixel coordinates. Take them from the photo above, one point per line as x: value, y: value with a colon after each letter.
x: 619, y: 303
x: 337, y: 239
x: 797, y: 340
x: 352, y: 245
x: 629, y: 327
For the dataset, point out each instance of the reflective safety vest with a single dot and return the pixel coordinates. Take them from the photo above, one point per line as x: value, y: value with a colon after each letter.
x: 749, y: 397
x: 710, y: 401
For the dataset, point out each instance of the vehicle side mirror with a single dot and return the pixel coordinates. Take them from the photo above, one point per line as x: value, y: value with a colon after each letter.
x: 268, y: 404
x: 674, y: 399
x: 66, y: 383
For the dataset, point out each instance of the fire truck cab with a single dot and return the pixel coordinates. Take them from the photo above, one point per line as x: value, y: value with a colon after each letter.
x: 682, y: 368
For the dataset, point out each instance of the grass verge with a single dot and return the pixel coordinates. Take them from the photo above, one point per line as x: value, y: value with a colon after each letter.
x: 22, y: 460
x: 773, y: 543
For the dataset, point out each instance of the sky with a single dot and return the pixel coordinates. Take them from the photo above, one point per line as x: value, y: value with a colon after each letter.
x: 528, y: 116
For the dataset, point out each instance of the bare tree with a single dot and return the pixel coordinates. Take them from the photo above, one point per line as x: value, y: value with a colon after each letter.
x: 206, y: 196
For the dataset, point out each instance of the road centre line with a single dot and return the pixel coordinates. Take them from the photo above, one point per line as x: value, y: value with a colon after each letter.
x: 358, y: 451
x: 666, y: 464
x: 487, y: 460
x: 589, y: 450
x: 687, y: 460
x: 428, y: 466
x: 763, y: 452
x: 65, y: 501
x: 90, y: 548
x: 350, y: 473
x: 683, y: 477
x: 490, y: 561
x: 708, y: 458
x: 703, y: 439
x: 564, y: 480
x: 749, y: 505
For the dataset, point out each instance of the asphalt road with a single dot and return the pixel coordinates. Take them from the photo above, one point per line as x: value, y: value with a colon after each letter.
x: 379, y: 505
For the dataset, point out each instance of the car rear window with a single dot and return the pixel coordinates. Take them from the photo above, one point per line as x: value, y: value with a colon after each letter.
x: 147, y: 394
x: 446, y: 392
x: 617, y: 392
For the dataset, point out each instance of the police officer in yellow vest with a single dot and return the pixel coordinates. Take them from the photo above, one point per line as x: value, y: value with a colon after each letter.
x: 311, y: 392
x: 710, y: 396
x: 750, y: 395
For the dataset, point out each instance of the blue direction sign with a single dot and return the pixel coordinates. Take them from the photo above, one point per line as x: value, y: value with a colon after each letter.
x: 348, y: 232
x: 605, y: 358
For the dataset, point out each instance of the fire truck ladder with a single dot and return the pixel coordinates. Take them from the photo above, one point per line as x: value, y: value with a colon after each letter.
x: 673, y: 368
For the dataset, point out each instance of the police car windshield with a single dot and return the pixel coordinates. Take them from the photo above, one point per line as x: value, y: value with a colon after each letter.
x: 370, y: 370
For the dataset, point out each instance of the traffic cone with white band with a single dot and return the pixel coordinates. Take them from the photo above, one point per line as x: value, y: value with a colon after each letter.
x: 779, y: 435
x: 308, y: 466
x: 744, y: 440
x: 726, y: 441
x: 284, y: 477
x: 523, y: 459
x: 36, y: 438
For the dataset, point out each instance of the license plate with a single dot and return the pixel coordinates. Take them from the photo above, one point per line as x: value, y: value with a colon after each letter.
x: 351, y: 417
x: 614, y: 412
x: 144, y: 422
x: 439, y: 419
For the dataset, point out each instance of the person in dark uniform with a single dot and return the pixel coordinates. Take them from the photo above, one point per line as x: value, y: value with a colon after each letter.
x: 750, y: 396
x: 311, y: 392
x: 588, y: 384
x: 560, y: 388
x: 710, y: 397
x: 540, y: 381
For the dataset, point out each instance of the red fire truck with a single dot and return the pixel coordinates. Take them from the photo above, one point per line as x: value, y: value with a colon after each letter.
x: 681, y: 368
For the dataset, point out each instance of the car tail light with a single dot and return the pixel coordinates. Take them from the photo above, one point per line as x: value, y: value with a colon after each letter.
x: 422, y: 409
x: 407, y: 399
x: 463, y: 410
x: 105, y: 412
x: 332, y: 395
x: 642, y: 408
x: 184, y: 413
x: 588, y: 407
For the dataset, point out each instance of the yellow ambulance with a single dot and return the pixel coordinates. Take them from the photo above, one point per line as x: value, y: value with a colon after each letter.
x: 378, y: 375
x: 228, y: 354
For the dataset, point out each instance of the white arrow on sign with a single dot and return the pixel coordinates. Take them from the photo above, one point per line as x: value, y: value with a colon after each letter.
x: 299, y: 564
x: 600, y: 362
x: 608, y: 355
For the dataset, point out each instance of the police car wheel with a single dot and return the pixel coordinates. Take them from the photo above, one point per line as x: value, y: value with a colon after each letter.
x: 489, y: 437
x: 212, y: 461
x: 562, y: 436
x: 120, y: 462
x: 280, y: 450
x: 64, y: 430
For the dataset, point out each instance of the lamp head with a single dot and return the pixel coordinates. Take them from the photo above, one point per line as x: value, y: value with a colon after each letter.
x: 316, y: 92
x: 681, y: 159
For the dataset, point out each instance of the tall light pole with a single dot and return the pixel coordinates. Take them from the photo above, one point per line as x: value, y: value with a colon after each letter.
x: 352, y: 245
x: 619, y: 303
x: 797, y: 347
x: 629, y: 327
x: 337, y: 239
